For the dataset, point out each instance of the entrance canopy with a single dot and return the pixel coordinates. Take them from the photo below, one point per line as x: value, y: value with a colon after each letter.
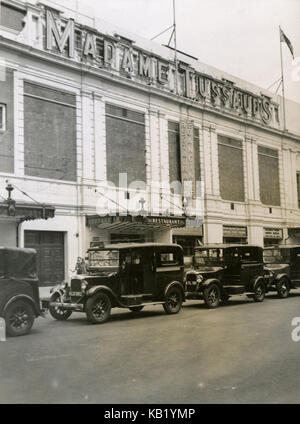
x: 25, y: 211
x: 135, y: 224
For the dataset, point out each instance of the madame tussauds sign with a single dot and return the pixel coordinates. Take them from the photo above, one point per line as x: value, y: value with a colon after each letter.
x: 120, y: 55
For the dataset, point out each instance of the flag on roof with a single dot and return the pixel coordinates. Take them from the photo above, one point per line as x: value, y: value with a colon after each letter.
x: 283, y: 38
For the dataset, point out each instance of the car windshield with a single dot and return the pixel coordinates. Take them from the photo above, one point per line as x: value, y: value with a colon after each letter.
x: 208, y: 257
x: 273, y: 256
x: 104, y: 258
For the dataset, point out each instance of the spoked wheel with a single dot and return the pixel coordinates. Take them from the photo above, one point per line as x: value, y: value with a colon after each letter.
x: 211, y: 295
x: 136, y: 308
x: 259, y: 292
x: 58, y: 312
x: 98, y: 308
x: 173, y: 301
x: 19, y: 318
x: 283, y: 288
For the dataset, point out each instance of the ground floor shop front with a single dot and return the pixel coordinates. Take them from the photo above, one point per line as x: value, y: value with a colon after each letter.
x: 61, y: 240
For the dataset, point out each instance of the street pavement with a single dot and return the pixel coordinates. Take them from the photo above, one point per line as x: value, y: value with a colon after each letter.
x: 241, y: 352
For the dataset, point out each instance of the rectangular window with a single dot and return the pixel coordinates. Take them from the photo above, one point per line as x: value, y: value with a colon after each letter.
x: 197, y: 154
x: 268, y: 176
x: 11, y: 18
x: 2, y: 117
x: 298, y: 188
x: 125, y: 144
x: 231, y: 169
x: 49, y: 132
x: 174, y: 151
x: 6, y: 120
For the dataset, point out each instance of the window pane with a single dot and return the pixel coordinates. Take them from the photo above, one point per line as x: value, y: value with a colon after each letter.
x: 174, y: 151
x: 125, y: 144
x: 231, y: 173
x: 269, y: 180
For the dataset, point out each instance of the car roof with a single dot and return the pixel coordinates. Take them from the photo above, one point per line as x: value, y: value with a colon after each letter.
x: 225, y: 246
x: 17, y: 249
x: 291, y: 246
x: 119, y: 246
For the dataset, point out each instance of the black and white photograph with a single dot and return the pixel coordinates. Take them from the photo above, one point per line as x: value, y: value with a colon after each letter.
x: 149, y: 204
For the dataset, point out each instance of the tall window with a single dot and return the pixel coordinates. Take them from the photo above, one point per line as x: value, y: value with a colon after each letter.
x: 197, y: 154
x: 6, y: 120
x: 2, y: 117
x: 49, y: 132
x: 298, y: 188
x: 268, y: 176
x: 125, y: 144
x: 174, y: 151
x: 231, y: 170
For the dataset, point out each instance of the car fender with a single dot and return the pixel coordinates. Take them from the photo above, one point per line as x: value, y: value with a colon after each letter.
x: 93, y: 290
x: 57, y: 290
x: 175, y: 284
x: 210, y: 281
x: 257, y: 280
x: 22, y: 297
x: 281, y: 276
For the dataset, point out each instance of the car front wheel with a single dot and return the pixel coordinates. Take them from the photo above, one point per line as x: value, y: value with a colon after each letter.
x: 58, y: 312
x: 283, y: 288
x: 98, y: 308
x: 173, y: 301
x: 211, y: 295
x: 19, y: 318
x: 259, y: 292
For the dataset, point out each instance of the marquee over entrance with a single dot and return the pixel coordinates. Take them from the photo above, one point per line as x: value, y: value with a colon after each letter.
x: 135, y: 224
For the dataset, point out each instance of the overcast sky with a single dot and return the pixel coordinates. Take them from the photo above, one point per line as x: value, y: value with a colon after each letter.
x: 240, y: 37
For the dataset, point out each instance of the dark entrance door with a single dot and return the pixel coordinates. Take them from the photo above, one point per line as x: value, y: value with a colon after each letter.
x: 50, y: 255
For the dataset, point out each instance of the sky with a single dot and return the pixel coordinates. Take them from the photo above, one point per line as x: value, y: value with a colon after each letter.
x: 240, y: 37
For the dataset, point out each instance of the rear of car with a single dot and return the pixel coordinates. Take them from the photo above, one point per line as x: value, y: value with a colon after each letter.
x: 19, y: 291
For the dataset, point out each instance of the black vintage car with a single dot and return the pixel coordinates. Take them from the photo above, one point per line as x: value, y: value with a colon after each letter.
x: 220, y: 271
x: 282, y: 268
x: 19, y: 291
x: 123, y: 275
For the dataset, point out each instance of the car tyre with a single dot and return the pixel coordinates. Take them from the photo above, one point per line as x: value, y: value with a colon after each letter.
x: 283, y: 288
x: 211, y: 296
x: 136, y: 308
x: 58, y: 312
x: 173, y: 301
x: 98, y: 308
x: 259, y: 292
x: 19, y: 318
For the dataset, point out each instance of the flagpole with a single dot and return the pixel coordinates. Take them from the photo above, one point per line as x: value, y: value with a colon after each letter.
x: 282, y: 81
x: 175, y: 48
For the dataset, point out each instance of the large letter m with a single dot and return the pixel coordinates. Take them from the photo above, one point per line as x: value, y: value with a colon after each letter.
x: 60, y: 39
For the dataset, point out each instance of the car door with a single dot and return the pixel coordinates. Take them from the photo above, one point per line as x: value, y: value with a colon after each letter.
x: 169, y: 267
x: 295, y: 265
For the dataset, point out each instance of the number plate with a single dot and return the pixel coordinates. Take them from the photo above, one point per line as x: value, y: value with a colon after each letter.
x: 74, y: 293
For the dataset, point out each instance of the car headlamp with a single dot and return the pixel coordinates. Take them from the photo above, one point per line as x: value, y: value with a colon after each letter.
x: 199, y: 278
x: 84, y: 285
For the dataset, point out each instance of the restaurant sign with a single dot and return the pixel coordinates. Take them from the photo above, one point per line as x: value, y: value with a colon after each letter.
x: 120, y: 55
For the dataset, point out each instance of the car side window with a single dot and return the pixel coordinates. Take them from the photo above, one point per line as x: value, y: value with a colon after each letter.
x: 168, y: 258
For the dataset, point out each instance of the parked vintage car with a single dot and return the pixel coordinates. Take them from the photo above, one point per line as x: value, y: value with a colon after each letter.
x: 19, y: 290
x: 220, y: 271
x: 282, y: 268
x: 123, y: 275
